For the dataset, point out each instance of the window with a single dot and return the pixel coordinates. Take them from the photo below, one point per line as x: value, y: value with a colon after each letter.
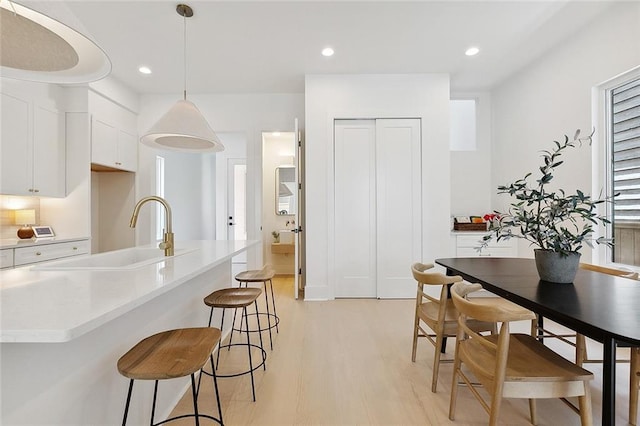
x: 623, y: 102
x: 462, y: 113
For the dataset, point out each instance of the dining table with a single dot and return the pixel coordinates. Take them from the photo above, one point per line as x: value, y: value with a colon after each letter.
x: 602, y: 307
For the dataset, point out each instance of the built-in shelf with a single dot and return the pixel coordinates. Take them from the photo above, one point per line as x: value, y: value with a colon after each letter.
x: 281, y: 248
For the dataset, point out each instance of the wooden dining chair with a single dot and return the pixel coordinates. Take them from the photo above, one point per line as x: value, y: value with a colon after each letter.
x: 510, y: 365
x: 438, y: 313
x: 581, y: 344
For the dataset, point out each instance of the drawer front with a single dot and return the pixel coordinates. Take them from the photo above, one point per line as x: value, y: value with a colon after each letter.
x: 6, y: 258
x: 470, y: 240
x: 27, y: 255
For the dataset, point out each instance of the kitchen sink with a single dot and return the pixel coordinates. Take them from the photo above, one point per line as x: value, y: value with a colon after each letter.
x: 124, y: 259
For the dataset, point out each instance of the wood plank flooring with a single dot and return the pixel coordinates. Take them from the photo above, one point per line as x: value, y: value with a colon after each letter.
x: 348, y: 362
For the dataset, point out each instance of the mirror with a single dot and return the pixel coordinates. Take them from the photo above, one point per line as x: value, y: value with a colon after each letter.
x: 286, y: 190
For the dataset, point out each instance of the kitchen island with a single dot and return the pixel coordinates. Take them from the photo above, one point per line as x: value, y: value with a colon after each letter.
x: 62, y: 331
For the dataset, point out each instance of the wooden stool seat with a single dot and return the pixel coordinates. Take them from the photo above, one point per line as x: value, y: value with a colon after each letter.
x: 232, y: 297
x: 170, y: 354
x: 256, y: 275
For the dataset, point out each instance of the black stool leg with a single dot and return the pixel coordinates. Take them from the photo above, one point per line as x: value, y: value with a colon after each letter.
x: 215, y: 387
x: 264, y: 357
x: 246, y: 319
x: 222, y: 328
x: 266, y: 302
x: 126, y: 406
x: 273, y: 302
x: 153, y: 406
x: 195, y: 399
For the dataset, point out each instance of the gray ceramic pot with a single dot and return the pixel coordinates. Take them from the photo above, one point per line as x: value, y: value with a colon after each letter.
x: 556, y: 268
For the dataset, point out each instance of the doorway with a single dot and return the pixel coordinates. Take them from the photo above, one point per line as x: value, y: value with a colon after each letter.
x: 281, y: 204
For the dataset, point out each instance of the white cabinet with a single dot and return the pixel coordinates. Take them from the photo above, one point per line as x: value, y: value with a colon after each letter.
x: 6, y: 258
x: 466, y: 246
x: 113, y: 147
x: 33, y: 149
x: 43, y: 252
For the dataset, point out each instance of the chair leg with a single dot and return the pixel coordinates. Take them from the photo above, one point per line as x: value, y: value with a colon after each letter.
x: 415, y: 338
x: 266, y: 302
x: 219, y: 344
x: 126, y: 406
x: 584, y: 402
x: 436, y: 362
x: 264, y: 358
x: 454, y: 387
x: 581, y: 349
x: 533, y: 411
x: 496, y: 404
x: 634, y: 384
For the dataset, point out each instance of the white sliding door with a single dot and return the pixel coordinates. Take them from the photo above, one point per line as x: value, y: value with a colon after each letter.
x: 355, y: 208
x: 377, y: 207
x: 398, y: 224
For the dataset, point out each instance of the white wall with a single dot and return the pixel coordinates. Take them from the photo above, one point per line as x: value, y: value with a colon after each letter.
x: 250, y: 115
x: 328, y: 97
x: 471, y: 185
x: 552, y: 97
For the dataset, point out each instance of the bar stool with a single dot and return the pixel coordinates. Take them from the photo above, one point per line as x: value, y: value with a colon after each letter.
x: 236, y: 298
x: 264, y: 275
x: 168, y: 355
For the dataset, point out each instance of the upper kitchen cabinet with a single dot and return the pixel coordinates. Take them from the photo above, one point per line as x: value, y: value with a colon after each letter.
x: 32, y: 146
x: 112, y: 146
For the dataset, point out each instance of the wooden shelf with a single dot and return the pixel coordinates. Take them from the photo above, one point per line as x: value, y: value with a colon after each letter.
x: 280, y: 248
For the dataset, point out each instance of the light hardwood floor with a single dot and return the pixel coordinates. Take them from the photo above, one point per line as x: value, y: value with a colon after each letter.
x: 348, y: 362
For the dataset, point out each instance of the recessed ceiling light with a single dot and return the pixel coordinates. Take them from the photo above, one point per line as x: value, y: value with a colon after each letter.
x: 472, y: 51
x: 327, y: 51
x: 144, y: 70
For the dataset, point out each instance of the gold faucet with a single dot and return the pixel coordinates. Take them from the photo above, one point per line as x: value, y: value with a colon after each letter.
x: 167, y: 236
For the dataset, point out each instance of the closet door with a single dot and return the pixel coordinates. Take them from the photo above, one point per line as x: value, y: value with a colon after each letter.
x: 398, y: 195
x: 355, y: 208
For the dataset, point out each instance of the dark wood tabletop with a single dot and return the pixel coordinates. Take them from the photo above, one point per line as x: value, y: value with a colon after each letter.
x: 600, y: 306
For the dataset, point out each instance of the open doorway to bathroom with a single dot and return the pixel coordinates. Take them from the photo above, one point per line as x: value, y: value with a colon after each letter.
x: 281, y: 205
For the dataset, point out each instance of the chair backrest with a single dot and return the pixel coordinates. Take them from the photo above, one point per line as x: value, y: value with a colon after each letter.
x: 432, y: 278
x: 485, y: 309
x: 625, y: 273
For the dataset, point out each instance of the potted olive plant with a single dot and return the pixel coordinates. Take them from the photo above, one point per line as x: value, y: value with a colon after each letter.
x: 559, y: 224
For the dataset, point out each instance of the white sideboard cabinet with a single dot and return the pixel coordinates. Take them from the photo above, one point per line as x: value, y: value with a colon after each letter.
x: 33, y: 160
x: 112, y: 146
x: 42, y: 251
x: 467, y: 243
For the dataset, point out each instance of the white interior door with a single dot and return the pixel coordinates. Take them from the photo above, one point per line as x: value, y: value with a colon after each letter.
x: 237, y: 204
x: 377, y: 175
x: 398, y: 190
x: 355, y: 208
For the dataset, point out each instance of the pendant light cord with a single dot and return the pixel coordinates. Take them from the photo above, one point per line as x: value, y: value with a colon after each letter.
x: 184, y: 51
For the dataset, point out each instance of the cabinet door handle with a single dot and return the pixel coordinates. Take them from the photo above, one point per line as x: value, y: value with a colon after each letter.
x: 38, y: 253
x: 30, y: 189
x: 36, y: 190
x: 118, y: 163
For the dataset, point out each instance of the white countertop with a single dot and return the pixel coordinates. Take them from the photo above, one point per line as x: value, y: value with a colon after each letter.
x: 6, y: 243
x: 58, y: 306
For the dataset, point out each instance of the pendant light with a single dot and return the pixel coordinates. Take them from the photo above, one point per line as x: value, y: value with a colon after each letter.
x: 38, y: 47
x: 183, y: 128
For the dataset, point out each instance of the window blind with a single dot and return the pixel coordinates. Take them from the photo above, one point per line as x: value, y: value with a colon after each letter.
x: 625, y: 107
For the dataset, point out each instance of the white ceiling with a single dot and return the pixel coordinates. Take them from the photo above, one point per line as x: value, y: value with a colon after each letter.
x: 266, y: 46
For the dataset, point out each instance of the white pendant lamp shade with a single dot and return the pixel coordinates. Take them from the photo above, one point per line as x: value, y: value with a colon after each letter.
x: 183, y: 128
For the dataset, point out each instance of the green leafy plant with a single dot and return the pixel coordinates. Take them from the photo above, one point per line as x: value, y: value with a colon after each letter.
x: 276, y: 235
x: 552, y: 220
